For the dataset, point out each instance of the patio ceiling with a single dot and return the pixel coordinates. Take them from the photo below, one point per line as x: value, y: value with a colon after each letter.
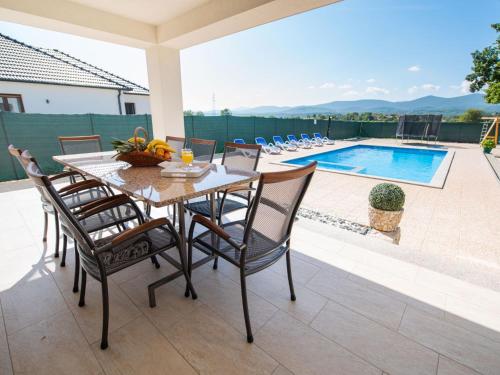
x: 174, y: 23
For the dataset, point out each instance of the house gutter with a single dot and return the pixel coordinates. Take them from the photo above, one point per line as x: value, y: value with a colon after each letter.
x: 120, y: 101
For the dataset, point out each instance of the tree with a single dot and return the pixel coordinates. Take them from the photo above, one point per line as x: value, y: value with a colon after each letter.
x: 199, y: 113
x: 471, y: 115
x: 188, y: 112
x: 225, y: 112
x: 486, y: 70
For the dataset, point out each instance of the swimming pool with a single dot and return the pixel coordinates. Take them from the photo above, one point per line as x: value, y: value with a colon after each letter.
x: 405, y: 164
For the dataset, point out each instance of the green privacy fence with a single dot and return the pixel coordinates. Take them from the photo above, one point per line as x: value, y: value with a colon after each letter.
x: 39, y: 133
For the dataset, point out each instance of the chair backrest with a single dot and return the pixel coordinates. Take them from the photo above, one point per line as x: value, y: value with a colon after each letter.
x: 80, y: 144
x: 43, y: 183
x: 317, y: 135
x: 239, y: 141
x: 278, y: 139
x: 176, y: 143
x: 203, y: 149
x: 291, y: 138
x: 260, y: 141
x: 17, y: 152
x: 305, y: 136
x: 275, y: 205
x: 242, y: 157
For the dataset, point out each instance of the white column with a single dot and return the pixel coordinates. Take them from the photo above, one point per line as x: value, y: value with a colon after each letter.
x: 165, y: 86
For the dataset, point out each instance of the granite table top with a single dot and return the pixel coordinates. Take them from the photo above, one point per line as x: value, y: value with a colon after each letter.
x: 146, y: 183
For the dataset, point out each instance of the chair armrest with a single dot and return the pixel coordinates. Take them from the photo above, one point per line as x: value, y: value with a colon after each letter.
x: 210, y: 225
x: 133, y: 232
x: 79, y: 186
x: 98, y: 202
x: 66, y: 174
x: 106, y: 204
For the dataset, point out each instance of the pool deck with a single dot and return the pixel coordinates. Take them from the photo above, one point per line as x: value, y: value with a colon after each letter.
x: 454, y: 230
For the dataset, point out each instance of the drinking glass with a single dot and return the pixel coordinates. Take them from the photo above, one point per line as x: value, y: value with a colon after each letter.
x: 187, y: 157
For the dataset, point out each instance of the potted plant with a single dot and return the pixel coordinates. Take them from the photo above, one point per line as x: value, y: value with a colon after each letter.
x: 488, y: 145
x: 386, y: 207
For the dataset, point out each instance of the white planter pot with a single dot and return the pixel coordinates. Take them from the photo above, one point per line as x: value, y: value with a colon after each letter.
x: 384, y: 221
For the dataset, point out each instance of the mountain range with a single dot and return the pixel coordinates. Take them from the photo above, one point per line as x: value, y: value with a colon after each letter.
x: 428, y: 104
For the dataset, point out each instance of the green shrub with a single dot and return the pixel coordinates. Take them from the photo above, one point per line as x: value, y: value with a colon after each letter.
x: 387, y: 197
x: 488, y: 144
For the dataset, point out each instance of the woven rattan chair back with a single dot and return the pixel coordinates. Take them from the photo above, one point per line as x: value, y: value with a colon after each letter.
x: 203, y: 149
x: 177, y: 143
x: 274, y: 208
x: 80, y: 144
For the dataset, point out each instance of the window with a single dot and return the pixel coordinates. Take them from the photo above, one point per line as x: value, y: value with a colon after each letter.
x: 11, y: 103
x: 130, y: 108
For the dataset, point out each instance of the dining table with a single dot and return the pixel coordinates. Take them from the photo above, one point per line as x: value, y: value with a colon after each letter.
x: 146, y: 184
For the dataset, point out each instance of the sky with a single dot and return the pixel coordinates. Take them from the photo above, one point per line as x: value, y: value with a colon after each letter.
x: 354, y: 49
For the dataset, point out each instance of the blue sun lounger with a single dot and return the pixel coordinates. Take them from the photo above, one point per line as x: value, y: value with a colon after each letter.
x: 325, y: 140
x: 284, y: 145
x: 314, y: 141
x: 268, y: 148
x: 298, y: 142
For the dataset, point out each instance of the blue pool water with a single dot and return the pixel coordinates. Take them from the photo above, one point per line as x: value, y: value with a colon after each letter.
x: 411, y: 164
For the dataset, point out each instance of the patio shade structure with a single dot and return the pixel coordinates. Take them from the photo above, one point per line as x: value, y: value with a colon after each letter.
x: 161, y: 28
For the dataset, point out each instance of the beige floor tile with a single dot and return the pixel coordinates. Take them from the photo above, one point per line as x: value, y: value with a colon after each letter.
x: 171, y: 304
x: 373, y: 342
x: 465, y: 347
x: 5, y: 363
x: 33, y: 299
x: 304, y: 351
x: 53, y: 346
x: 138, y: 348
x: 89, y: 317
x: 214, y: 347
x: 281, y: 370
x: 223, y: 295
x: 302, y: 271
x: 375, y: 305
x: 449, y: 367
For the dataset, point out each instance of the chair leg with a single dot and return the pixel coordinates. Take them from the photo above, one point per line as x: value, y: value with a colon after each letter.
x: 65, y: 246
x: 105, y: 313
x: 77, y: 269
x: 216, y: 262
x: 45, y: 226
x: 289, y: 273
x: 56, y: 222
x: 245, y: 305
x: 83, y: 288
x: 154, y: 260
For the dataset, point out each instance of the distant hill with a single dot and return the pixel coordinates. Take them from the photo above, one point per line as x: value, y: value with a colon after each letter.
x: 427, y: 104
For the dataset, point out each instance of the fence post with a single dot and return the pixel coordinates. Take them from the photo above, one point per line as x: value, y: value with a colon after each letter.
x: 8, y: 143
x: 91, y: 118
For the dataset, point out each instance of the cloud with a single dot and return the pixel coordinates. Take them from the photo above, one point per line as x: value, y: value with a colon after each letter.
x: 327, y: 85
x: 464, y: 87
x: 376, y: 90
x: 413, y: 90
x: 350, y: 93
x: 345, y: 86
x: 430, y: 87
x: 370, y: 80
x: 414, y: 68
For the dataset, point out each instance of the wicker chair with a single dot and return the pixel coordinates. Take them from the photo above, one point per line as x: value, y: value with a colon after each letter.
x: 203, y: 149
x: 264, y: 237
x: 80, y: 144
x: 238, y: 156
x: 74, y: 195
x: 177, y: 143
x: 104, y: 257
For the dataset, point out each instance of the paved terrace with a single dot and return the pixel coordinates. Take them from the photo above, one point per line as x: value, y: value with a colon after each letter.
x: 359, y: 309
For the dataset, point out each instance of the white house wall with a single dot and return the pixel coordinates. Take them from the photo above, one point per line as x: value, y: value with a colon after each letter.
x: 141, y: 103
x: 70, y: 99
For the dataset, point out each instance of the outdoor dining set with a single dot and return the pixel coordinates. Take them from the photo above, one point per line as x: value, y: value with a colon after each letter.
x: 104, y: 206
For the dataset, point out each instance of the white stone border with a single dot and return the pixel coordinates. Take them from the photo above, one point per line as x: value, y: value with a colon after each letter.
x: 437, y: 181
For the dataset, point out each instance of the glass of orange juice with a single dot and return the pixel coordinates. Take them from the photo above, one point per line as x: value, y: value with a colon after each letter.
x: 187, y: 157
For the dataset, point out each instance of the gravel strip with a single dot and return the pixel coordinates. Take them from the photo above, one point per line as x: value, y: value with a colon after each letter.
x: 333, y: 220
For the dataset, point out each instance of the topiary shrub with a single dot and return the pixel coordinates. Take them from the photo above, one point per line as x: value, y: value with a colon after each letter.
x: 387, y: 197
